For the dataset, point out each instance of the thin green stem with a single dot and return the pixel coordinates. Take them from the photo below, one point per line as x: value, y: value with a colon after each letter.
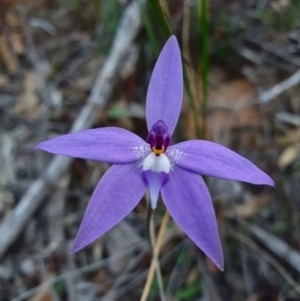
x: 204, y: 57
x: 149, y: 28
x: 191, y: 101
x: 161, y: 18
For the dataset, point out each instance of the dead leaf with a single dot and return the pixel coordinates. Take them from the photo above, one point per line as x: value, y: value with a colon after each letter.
x: 193, y: 275
x: 3, y: 80
x: 5, y: 5
x: 17, y: 43
x: 231, y: 104
x: 279, y: 5
x: 289, y: 155
x: 254, y: 297
x: 28, y: 104
x: 291, y: 137
x: 43, y: 295
x: 12, y: 20
x: 249, y: 208
x: 6, y: 55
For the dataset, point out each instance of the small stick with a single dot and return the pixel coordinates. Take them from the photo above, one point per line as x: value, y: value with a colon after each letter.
x: 277, y: 246
x: 276, y: 90
x: 284, y: 273
x: 158, y: 271
x: 156, y: 250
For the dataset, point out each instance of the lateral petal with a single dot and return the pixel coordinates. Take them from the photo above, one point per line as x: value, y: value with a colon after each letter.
x: 110, y: 144
x: 214, y: 160
x: 188, y: 202
x: 118, y: 192
x: 165, y: 91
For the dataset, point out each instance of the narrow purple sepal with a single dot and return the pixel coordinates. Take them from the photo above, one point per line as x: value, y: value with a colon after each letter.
x: 117, y: 193
x: 188, y: 202
x: 111, y: 144
x: 154, y: 181
x: 214, y: 160
x: 165, y: 91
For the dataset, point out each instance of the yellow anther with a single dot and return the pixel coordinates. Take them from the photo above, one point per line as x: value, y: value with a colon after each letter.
x: 156, y: 151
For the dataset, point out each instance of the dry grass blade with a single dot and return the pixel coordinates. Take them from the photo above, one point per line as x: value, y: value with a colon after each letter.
x: 277, y: 246
x: 153, y: 265
x: 275, y: 91
x: 80, y: 271
x: 247, y: 241
x: 7, y: 57
x: 158, y: 271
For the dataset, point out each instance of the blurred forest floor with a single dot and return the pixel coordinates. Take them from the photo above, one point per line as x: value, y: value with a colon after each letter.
x: 52, y: 58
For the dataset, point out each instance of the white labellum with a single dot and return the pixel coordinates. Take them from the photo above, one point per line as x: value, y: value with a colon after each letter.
x: 155, y: 163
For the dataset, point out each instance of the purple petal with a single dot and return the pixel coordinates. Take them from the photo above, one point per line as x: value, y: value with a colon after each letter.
x: 117, y: 193
x: 154, y: 181
x: 188, y: 202
x: 214, y: 160
x: 165, y: 91
x: 111, y: 144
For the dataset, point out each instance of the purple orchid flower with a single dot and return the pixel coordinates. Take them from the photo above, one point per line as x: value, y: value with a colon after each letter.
x: 172, y: 170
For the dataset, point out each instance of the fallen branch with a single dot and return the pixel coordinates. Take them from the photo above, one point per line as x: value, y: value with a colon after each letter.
x: 80, y: 271
x: 268, y: 257
x: 273, y: 92
x: 277, y: 246
x: 102, y: 88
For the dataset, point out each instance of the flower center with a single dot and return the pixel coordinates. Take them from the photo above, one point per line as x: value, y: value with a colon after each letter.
x: 156, y: 165
x: 155, y: 169
x: 159, y: 138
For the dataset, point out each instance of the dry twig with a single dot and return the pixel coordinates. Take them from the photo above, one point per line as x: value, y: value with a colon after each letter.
x: 275, y: 91
x: 80, y: 271
x: 156, y: 250
x: 277, y: 246
x: 158, y: 271
x: 247, y: 241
